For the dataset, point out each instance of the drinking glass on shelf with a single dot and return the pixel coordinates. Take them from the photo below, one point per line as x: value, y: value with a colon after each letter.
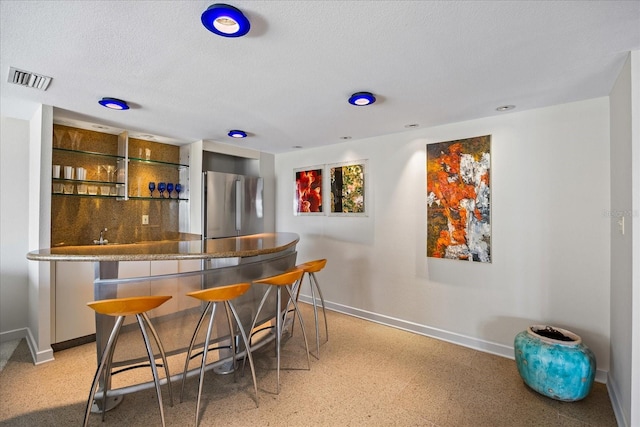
x: 178, y: 190
x: 111, y: 170
x: 169, y: 188
x: 76, y: 137
x: 161, y: 187
x: 58, y: 136
x: 152, y: 186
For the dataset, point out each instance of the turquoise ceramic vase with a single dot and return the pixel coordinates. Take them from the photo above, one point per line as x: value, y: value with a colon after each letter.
x: 554, y: 362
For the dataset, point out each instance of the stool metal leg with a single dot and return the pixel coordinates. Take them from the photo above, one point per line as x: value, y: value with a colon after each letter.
x: 230, y: 310
x: 205, y: 351
x: 255, y: 319
x: 106, y: 372
x: 232, y: 337
x: 314, y: 287
x: 299, y: 313
x: 278, y: 336
x: 313, y: 282
x: 106, y: 355
x: 279, y: 322
x: 193, y: 340
x: 247, y: 348
x: 296, y: 289
x: 154, y: 369
x: 162, y: 354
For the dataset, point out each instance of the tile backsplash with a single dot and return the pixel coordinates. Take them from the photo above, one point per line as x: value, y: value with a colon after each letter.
x: 77, y: 220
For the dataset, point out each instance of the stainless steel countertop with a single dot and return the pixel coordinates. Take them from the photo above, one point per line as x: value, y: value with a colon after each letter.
x: 243, y: 246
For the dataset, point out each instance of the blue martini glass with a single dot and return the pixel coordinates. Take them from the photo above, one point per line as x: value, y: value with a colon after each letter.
x: 161, y: 187
x: 178, y: 189
x: 152, y: 186
x: 169, y: 188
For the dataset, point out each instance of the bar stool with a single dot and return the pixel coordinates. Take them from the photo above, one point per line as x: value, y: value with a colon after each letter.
x: 213, y: 296
x: 120, y: 308
x: 283, y: 280
x: 310, y: 268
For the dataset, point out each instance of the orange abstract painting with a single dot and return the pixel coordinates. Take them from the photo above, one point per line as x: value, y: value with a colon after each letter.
x: 459, y: 199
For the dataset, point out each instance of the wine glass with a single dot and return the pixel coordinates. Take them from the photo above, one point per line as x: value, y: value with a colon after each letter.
x: 59, y: 136
x: 169, y: 188
x: 111, y: 170
x: 152, y: 186
x: 178, y: 190
x: 76, y: 137
x: 161, y: 187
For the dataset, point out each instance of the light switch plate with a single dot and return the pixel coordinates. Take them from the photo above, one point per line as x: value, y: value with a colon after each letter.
x: 145, y: 219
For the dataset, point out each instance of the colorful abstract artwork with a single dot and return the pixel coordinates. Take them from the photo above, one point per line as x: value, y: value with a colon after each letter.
x: 459, y: 199
x: 308, y: 191
x: 347, y: 188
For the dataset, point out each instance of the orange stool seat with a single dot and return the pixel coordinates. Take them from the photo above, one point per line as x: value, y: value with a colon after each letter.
x: 310, y: 268
x: 281, y: 281
x: 120, y: 308
x: 213, y: 296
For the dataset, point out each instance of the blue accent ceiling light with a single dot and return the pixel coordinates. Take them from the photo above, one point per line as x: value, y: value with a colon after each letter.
x: 225, y: 20
x: 360, y: 99
x: 114, y: 104
x: 237, y: 134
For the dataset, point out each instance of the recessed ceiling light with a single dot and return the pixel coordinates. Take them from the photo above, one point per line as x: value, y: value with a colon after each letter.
x: 114, y: 104
x: 345, y: 137
x: 412, y: 125
x: 505, y: 108
x: 237, y: 134
x: 360, y: 99
x: 225, y: 20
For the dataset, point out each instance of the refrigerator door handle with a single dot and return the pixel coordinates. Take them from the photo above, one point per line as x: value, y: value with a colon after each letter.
x: 238, y: 205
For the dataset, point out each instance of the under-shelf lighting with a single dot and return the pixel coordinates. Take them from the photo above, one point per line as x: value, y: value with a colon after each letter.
x: 225, y: 20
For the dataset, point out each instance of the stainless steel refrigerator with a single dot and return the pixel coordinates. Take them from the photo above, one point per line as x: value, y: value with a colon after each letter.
x: 232, y: 205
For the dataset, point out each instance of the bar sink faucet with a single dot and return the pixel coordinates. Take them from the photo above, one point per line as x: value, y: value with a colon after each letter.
x: 102, y: 240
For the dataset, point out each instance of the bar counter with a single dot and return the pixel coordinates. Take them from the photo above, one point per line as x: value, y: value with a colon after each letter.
x: 188, y: 246
x: 223, y: 261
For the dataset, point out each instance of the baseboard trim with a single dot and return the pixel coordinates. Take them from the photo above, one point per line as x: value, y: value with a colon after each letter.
x: 451, y: 337
x: 16, y: 334
x: 614, y: 396
x: 38, y: 357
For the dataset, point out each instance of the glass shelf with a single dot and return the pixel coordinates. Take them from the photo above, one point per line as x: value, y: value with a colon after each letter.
x: 156, y: 198
x: 158, y: 163
x: 89, y: 153
x: 123, y: 163
x: 80, y: 181
x: 99, y: 196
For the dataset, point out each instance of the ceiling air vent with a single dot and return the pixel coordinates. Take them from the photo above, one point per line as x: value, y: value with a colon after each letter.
x: 29, y: 79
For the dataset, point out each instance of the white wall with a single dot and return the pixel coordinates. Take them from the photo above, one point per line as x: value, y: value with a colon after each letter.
x: 625, y: 147
x: 621, y: 295
x: 14, y: 226
x: 550, y: 232
x: 635, y: 232
x: 41, y: 323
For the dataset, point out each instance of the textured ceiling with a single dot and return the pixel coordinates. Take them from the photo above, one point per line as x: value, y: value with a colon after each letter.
x: 287, y: 82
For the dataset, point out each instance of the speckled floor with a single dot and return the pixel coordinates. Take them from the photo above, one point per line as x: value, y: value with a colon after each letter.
x: 367, y: 375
